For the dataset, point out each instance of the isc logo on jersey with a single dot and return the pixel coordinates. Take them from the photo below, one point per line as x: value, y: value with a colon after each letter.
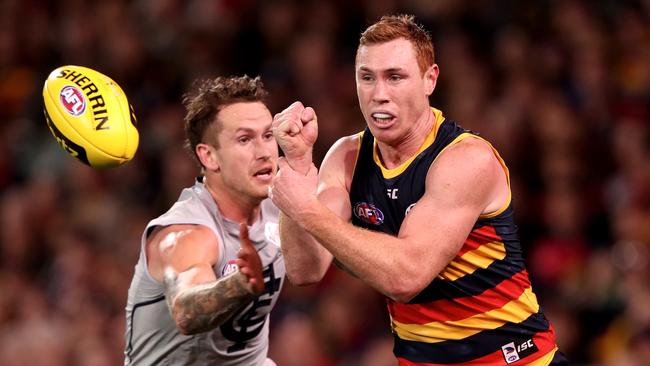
x: 90, y: 116
x: 368, y: 213
x: 513, y: 353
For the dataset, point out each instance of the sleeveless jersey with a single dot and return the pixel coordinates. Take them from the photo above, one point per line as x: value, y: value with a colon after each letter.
x: 480, y: 309
x: 151, y: 335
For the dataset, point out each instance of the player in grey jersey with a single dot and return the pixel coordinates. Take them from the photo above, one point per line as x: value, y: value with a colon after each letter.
x: 210, y: 268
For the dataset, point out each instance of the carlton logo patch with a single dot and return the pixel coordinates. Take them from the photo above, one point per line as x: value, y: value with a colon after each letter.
x: 73, y: 100
x: 368, y: 213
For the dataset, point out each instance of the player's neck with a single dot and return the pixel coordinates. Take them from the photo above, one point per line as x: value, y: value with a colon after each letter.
x: 232, y: 205
x: 395, y: 153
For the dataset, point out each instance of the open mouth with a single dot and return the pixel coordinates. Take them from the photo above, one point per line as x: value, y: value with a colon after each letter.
x: 266, y: 173
x: 382, y: 119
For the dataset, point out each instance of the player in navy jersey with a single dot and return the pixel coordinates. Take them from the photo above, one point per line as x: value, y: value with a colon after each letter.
x: 418, y: 208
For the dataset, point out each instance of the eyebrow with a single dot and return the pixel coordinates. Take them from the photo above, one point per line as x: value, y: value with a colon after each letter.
x: 244, y: 129
x: 251, y: 130
x: 389, y: 70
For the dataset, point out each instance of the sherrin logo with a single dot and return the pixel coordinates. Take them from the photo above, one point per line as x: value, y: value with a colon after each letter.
x: 73, y: 100
x: 368, y: 213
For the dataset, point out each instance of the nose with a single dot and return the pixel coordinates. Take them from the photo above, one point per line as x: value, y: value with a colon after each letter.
x: 380, y: 92
x: 264, y: 148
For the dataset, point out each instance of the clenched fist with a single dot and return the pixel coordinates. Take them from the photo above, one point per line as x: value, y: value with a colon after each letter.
x: 296, y: 129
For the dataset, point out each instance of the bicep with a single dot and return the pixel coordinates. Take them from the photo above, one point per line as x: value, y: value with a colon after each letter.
x: 459, y: 186
x: 189, y: 251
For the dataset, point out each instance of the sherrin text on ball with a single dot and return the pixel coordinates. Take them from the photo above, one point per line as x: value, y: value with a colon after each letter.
x: 90, y: 116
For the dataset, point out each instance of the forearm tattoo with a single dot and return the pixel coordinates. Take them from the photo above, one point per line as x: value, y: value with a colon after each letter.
x: 204, y: 307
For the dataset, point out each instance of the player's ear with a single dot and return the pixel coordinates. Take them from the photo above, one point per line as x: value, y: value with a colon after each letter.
x: 207, y: 154
x: 430, y: 79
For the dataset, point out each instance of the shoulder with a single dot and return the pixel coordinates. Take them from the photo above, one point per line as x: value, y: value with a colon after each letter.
x: 341, y: 158
x: 469, y: 167
x: 185, y: 237
x: 345, y: 146
x: 184, y: 244
x: 469, y: 152
x: 190, y: 208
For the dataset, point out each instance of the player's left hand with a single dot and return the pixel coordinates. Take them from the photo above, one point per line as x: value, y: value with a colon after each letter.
x: 249, y: 262
x: 292, y: 191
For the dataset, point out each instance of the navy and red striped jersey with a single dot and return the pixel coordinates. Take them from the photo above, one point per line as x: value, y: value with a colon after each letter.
x: 480, y: 309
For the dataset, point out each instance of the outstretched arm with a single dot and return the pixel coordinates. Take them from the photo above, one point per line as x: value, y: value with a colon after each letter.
x: 183, y: 255
x: 464, y: 182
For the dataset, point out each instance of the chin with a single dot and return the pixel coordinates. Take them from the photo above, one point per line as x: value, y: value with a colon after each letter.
x: 385, y: 135
x: 261, y: 194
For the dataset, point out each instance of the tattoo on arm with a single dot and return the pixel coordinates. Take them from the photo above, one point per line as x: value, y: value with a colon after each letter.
x: 203, y: 307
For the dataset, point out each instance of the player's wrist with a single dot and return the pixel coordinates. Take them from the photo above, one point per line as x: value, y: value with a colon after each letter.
x: 301, y: 163
x: 244, y: 287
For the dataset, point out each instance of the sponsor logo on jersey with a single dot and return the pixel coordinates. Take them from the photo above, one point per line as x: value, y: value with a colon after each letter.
x: 73, y: 100
x: 514, y: 352
x: 368, y: 213
x: 229, y: 268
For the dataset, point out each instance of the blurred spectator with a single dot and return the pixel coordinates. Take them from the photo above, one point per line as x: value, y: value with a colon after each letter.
x: 561, y: 88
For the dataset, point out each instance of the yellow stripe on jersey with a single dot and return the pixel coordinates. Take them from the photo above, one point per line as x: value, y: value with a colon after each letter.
x: 431, y: 137
x: 515, y: 311
x: 544, y: 360
x: 472, y: 260
x: 359, y: 136
x: 465, y: 135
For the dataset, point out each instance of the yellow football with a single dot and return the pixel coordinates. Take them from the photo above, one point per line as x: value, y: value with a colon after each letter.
x: 90, y: 116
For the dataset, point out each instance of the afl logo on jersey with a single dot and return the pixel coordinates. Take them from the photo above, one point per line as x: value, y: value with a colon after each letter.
x: 229, y: 268
x: 368, y: 213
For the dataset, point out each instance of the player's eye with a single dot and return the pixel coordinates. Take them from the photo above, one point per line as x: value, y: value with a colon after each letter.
x: 268, y: 135
x: 366, y: 77
x: 243, y: 139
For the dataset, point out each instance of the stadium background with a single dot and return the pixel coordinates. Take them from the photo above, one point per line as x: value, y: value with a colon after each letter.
x: 561, y: 88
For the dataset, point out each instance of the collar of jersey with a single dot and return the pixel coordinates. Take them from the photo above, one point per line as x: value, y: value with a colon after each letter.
x: 428, y: 141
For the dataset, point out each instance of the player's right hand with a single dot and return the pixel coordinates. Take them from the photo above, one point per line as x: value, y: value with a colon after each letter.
x: 296, y: 129
x: 249, y: 262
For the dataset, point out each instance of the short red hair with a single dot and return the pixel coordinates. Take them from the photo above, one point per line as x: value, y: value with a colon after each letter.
x: 392, y: 27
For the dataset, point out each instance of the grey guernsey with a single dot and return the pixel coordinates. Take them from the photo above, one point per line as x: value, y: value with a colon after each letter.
x: 151, y: 335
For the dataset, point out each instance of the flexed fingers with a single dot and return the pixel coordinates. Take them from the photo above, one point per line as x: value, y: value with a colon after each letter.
x: 249, y: 262
x: 288, y: 122
x: 307, y: 115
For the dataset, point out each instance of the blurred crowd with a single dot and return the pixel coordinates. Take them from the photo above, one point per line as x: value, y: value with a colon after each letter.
x: 561, y: 88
